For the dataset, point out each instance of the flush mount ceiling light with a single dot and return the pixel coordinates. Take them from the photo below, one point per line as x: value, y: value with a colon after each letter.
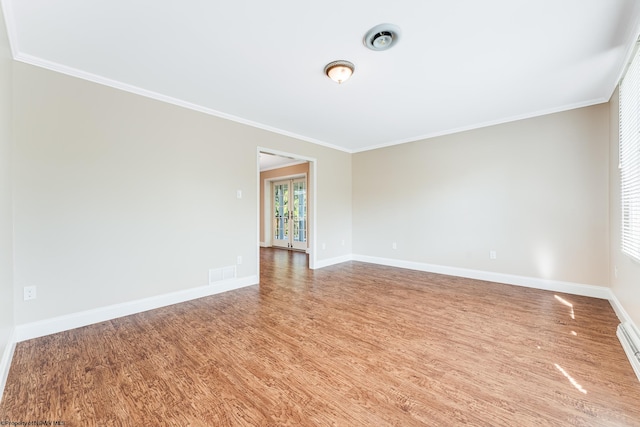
x: 382, y: 37
x: 339, y: 71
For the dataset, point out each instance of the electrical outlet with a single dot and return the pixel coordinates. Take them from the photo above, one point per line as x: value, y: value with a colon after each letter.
x: 324, y: 246
x: 29, y: 292
x: 239, y: 259
x: 394, y: 245
x: 493, y: 255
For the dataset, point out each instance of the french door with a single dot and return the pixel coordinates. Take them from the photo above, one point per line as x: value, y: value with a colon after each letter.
x: 290, y: 213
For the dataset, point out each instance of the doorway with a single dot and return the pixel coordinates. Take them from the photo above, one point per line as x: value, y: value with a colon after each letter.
x: 289, y: 213
x: 296, y: 227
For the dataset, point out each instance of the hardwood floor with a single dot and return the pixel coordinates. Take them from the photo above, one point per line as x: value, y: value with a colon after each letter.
x: 350, y: 345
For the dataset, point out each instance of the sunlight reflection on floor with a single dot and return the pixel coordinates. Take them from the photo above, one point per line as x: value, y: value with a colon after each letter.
x: 571, y: 380
x: 568, y: 304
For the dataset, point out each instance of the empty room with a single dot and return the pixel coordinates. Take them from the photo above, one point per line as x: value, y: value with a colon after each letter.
x: 320, y: 213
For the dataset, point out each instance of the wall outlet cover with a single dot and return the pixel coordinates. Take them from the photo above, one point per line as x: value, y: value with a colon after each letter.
x: 29, y: 293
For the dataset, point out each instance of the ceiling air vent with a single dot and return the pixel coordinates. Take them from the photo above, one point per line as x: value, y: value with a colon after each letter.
x: 382, y: 37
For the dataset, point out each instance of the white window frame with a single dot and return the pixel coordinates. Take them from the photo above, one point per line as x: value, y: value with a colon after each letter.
x: 629, y: 158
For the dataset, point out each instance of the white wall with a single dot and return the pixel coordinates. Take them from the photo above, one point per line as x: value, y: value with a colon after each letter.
x: 6, y: 206
x: 625, y: 282
x: 535, y: 191
x: 119, y: 197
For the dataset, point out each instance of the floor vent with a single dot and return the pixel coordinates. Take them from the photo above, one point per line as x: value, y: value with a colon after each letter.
x: 630, y: 340
x: 220, y: 274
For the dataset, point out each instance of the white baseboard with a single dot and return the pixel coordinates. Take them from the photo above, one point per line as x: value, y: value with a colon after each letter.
x: 263, y: 245
x: 602, y: 292
x: 619, y: 309
x: 332, y: 261
x: 76, y: 320
x: 5, y: 361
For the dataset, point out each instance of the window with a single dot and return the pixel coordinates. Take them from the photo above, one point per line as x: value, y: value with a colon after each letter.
x: 629, y: 156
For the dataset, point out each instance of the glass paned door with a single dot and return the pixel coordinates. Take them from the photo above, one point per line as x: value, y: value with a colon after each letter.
x: 290, y: 213
x: 299, y: 232
x: 281, y: 214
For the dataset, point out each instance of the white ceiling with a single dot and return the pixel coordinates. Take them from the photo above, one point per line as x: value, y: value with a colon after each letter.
x: 460, y: 64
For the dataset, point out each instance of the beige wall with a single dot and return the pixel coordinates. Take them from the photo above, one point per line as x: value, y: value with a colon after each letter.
x: 119, y: 197
x: 535, y: 191
x: 625, y: 273
x: 6, y: 206
x: 301, y: 169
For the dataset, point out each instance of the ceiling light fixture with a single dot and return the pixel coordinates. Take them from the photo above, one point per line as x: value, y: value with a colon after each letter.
x: 382, y: 37
x: 339, y: 71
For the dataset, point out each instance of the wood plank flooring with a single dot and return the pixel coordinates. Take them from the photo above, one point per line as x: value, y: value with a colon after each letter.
x: 349, y: 345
